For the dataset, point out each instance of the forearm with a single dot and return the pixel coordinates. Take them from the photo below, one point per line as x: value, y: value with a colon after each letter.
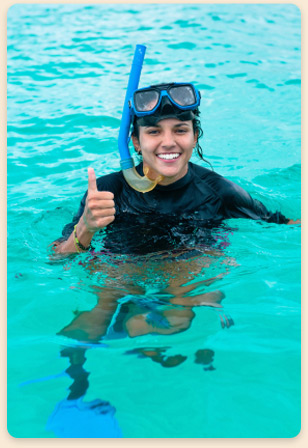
x: 70, y: 246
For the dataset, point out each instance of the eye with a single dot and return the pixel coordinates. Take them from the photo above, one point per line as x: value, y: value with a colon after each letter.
x: 152, y: 131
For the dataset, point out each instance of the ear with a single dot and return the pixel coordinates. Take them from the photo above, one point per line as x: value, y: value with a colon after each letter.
x: 196, y: 137
x: 136, y: 143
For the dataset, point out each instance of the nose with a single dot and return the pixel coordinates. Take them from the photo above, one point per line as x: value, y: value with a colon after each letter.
x: 168, y: 139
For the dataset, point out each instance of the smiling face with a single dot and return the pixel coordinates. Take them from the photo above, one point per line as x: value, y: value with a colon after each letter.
x: 166, y: 148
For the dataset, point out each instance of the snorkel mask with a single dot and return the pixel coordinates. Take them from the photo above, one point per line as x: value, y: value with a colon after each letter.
x: 174, y: 100
x: 147, y: 106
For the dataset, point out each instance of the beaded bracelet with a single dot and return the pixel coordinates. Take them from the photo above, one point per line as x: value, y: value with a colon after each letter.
x: 77, y: 243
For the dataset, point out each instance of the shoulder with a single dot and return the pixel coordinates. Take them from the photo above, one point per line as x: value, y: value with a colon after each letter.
x: 222, y: 186
x: 110, y: 182
x: 205, y: 173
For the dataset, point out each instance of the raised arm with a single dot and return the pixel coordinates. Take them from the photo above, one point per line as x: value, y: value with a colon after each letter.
x: 99, y: 211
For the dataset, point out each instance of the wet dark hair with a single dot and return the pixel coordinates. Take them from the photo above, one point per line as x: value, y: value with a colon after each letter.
x: 196, y: 128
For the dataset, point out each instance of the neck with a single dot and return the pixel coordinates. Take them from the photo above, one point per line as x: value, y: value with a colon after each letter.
x: 152, y: 174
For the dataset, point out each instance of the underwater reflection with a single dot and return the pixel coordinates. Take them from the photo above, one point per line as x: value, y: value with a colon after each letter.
x: 74, y: 417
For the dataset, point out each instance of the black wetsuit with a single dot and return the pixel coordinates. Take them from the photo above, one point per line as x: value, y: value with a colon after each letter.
x: 183, y: 213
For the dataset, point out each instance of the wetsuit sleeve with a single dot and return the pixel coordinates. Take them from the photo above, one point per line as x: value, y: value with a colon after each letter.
x: 239, y: 204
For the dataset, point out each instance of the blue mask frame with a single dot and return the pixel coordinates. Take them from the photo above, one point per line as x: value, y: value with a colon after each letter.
x: 164, y: 97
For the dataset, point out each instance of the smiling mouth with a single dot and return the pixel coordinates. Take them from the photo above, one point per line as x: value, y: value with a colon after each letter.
x: 169, y: 156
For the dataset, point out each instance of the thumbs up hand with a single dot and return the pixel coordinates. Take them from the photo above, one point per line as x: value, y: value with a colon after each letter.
x: 100, y: 208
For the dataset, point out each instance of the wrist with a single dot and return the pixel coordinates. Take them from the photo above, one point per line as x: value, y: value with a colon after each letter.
x: 83, y: 235
x: 86, y: 224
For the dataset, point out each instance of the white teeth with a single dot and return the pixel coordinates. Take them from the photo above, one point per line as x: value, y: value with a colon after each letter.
x: 168, y: 156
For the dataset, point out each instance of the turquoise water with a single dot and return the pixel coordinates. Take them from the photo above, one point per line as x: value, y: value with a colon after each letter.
x: 68, y: 67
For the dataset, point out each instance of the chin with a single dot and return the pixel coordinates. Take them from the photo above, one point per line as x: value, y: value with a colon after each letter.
x: 167, y: 171
x: 171, y: 173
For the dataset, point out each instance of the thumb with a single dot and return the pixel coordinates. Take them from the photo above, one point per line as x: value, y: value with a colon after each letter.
x: 91, y: 180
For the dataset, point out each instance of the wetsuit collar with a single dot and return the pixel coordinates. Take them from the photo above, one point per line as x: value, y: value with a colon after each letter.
x: 176, y: 185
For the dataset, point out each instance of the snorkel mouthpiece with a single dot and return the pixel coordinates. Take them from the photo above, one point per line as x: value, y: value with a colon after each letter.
x: 134, y: 180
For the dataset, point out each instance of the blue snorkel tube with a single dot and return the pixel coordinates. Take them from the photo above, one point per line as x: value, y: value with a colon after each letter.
x: 139, y: 183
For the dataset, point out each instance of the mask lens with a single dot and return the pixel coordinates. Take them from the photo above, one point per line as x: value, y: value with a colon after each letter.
x: 146, y: 100
x: 183, y: 95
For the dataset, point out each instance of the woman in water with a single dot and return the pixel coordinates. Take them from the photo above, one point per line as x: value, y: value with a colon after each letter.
x: 180, y: 220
